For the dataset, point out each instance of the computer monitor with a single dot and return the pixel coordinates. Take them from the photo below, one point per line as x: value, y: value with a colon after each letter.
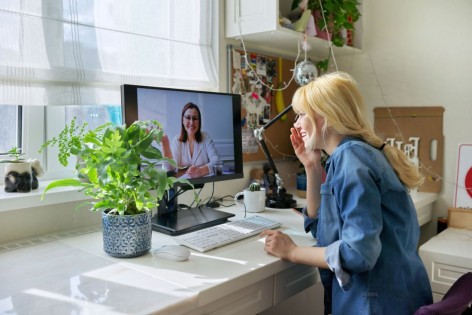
x: 219, y: 117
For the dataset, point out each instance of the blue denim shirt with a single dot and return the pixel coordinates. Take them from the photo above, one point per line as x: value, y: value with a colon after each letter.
x: 368, y: 224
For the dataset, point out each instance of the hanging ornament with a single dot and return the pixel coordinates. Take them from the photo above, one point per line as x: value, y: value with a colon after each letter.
x: 305, y: 72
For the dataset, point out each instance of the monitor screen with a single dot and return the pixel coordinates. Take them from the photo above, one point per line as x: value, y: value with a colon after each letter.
x: 216, y: 116
x: 203, y: 128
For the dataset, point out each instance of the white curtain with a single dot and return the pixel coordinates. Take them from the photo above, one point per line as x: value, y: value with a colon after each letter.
x: 74, y: 52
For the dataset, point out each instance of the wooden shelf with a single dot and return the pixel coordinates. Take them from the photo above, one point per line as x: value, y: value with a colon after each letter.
x: 285, y: 42
x: 256, y: 22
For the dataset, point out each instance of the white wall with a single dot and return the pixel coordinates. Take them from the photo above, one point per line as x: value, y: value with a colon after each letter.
x: 418, y: 53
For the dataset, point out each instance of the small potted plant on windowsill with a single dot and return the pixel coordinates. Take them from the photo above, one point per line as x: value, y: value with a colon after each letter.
x: 120, y: 165
x: 20, y: 174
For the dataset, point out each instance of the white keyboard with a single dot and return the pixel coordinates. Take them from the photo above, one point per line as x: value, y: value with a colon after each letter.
x: 226, y: 233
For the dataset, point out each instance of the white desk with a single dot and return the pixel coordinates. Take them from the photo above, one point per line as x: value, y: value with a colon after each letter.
x: 74, y: 275
x: 447, y: 256
x: 424, y: 202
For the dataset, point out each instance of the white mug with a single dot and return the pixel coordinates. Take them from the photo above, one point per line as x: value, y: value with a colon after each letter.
x: 253, y: 200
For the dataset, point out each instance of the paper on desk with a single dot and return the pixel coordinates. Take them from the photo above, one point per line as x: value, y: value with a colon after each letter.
x: 299, y: 235
x: 295, y: 232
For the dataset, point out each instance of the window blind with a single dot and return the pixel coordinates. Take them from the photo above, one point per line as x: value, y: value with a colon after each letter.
x: 75, y: 52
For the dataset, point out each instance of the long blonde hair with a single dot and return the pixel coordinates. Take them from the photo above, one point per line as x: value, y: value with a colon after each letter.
x: 336, y: 98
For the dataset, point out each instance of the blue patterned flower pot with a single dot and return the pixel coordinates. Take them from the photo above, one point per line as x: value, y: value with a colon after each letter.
x: 127, y: 235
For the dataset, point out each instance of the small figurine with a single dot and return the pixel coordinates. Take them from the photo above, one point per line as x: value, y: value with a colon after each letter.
x: 269, y: 179
x: 256, y: 176
x: 22, y: 176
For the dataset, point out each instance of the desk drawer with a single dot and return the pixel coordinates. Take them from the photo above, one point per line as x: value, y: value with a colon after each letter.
x: 444, y: 275
x: 293, y: 280
x: 250, y: 300
x: 446, y: 257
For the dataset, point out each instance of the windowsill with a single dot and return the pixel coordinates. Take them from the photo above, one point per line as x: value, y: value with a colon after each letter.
x: 14, y: 201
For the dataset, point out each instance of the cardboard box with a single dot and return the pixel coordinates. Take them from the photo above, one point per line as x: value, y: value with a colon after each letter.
x: 425, y: 124
x: 459, y: 218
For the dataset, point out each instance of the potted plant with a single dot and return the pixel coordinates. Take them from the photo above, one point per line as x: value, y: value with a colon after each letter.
x: 301, y: 181
x: 254, y: 187
x: 120, y: 164
x: 20, y: 174
x: 301, y: 175
x: 254, y: 197
x: 340, y: 16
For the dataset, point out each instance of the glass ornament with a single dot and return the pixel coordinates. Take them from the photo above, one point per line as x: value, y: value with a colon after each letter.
x: 305, y: 72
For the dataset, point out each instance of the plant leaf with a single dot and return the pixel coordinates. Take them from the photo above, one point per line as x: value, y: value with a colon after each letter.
x: 66, y: 182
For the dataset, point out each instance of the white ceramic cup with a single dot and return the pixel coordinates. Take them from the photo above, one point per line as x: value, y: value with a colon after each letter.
x: 254, y: 200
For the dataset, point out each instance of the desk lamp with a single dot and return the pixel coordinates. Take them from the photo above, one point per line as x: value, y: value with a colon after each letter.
x: 305, y: 72
x: 280, y: 199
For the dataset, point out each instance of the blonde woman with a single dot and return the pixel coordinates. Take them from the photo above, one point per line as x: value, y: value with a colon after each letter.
x: 362, y: 216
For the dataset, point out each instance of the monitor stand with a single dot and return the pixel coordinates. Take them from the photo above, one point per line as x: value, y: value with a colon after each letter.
x: 188, y: 220
x: 173, y: 221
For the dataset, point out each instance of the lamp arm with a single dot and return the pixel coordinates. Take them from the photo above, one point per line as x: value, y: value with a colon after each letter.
x: 259, y: 134
x: 269, y: 157
x: 260, y: 131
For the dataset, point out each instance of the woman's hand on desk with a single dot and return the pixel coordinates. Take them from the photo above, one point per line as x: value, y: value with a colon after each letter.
x: 278, y: 244
x: 192, y: 171
x: 189, y: 172
x: 197, y: 171
x: 281, y: 245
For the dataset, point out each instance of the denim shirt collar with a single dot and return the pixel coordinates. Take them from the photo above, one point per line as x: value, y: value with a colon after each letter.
x: 344, y: 140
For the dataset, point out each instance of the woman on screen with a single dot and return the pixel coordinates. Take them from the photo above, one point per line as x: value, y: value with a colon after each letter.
x: 193, y: 149
x: 362, y: 216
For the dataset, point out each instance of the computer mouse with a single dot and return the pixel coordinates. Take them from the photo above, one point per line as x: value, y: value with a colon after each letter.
x: 173, y: 252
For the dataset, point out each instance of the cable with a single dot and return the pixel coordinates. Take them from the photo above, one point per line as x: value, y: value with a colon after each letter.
x: 211, y: 195
x: 178, y: 193
x: 222, y: 199
x: 197, y: 198
x: 329, y: 36
x: 258, y: 79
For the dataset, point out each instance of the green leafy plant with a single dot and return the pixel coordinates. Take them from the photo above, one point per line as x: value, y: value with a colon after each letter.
x: 254, y: 187
x: 68, y: 141
x: 14, y: 155
x: 339, y: 14
x: 322, y: 66
x: 120, y: 165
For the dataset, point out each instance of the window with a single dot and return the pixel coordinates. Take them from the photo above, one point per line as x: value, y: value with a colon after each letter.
x: 62, y: 58
x: 95, y: 116
x: 10, y: 127
x: 58, y: 116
